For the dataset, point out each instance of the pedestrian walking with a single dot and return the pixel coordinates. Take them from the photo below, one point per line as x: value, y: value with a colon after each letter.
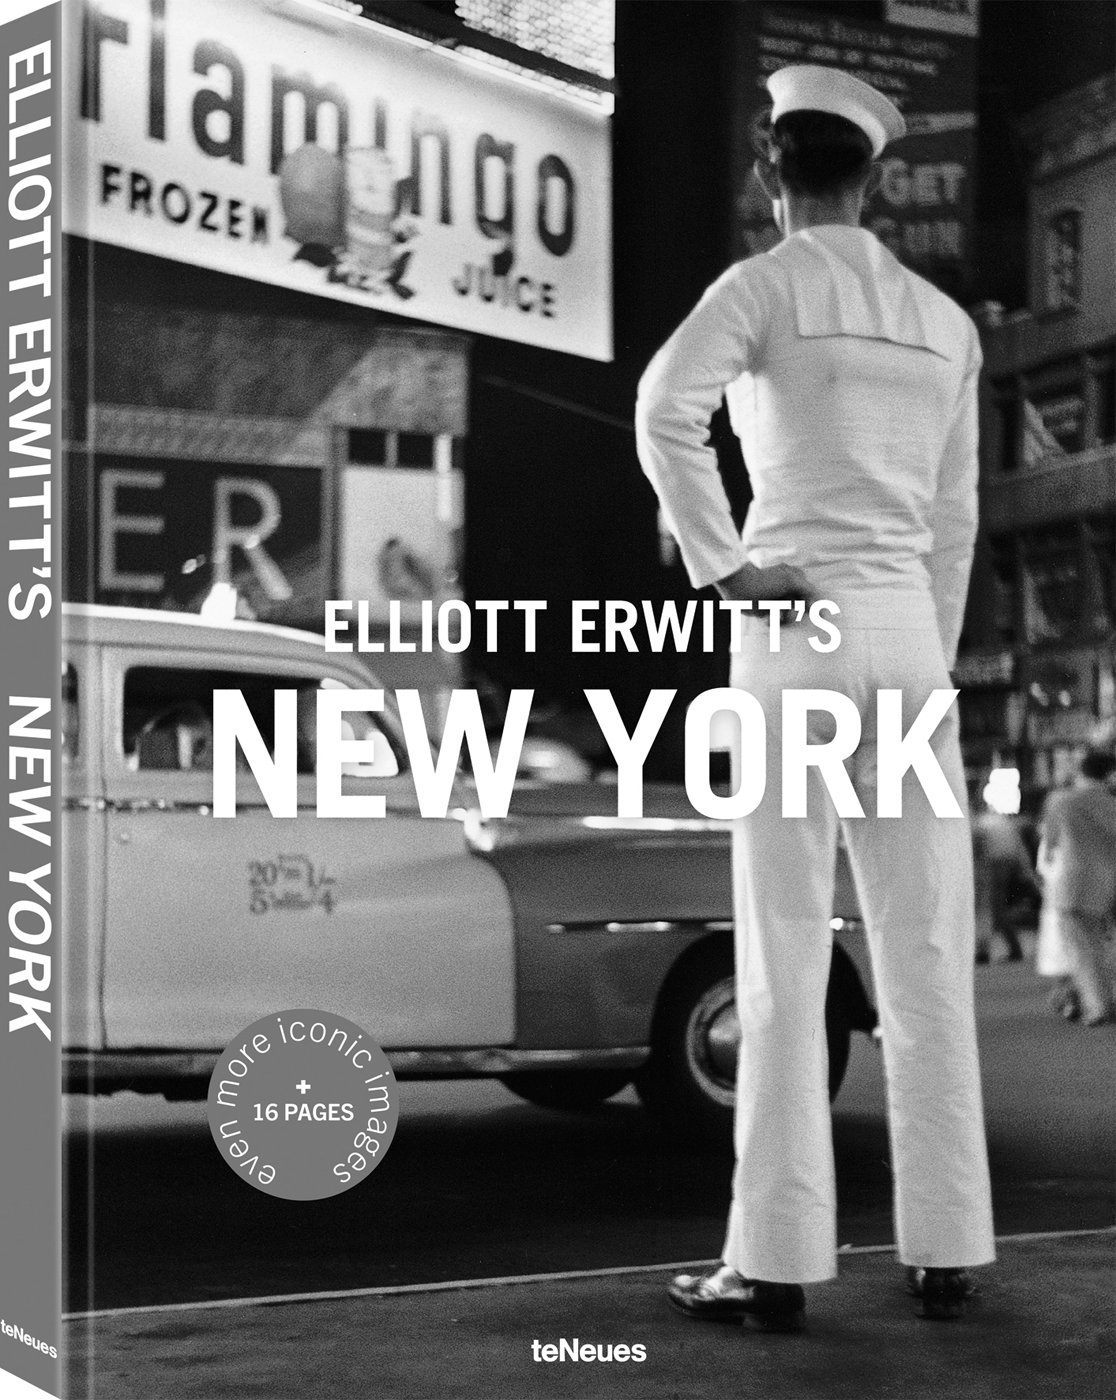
x: 1077, y: 863
x: 1004, y: 873
x: 852, y: 384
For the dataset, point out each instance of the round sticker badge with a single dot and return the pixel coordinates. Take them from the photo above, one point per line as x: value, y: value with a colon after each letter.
x: 303, y: 1105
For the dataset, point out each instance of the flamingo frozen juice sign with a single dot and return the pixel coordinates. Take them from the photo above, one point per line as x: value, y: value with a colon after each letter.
x: 305, y: 149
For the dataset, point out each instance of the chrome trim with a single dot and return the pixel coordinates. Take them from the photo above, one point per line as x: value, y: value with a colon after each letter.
x: 124, y: 1068
x: 655, y: 824
x: 482, y: 834
x: 688, y: 926
x: 851, y: 926
x: 81, y: 1066
x: 135, y: 805
x: 437, y: 1064
x: 489, y: 834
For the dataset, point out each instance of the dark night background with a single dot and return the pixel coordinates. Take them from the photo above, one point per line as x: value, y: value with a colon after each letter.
x: 557, y: 507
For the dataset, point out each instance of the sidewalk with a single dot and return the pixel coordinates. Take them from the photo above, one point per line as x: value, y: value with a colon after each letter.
x: 1043, y: 1328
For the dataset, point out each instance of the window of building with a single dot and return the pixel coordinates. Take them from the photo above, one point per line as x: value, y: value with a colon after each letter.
x: 1005, y: 590
x: 1054, y: 423
x: 984, y: 717
x: 368, y: 447
x: 1054, y: 411
x: 1008, y: 414
x: 1102, y: 366
x: 1062, y: 261
x: 1060, y: 682
x: 414, y: 450
x: 1100, y: 545
x: 371, y: 447
x: 1055, y: 583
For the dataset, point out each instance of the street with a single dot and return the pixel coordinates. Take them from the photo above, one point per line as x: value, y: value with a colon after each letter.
x: 480, y: 1185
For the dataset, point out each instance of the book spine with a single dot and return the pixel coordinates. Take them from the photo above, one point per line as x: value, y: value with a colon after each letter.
x: 30, y: 1053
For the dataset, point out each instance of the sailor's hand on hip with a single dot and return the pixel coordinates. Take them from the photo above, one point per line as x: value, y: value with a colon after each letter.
x: 752, y: 584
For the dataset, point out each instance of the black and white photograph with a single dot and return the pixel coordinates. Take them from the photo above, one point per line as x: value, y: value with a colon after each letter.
x: 561, y: 678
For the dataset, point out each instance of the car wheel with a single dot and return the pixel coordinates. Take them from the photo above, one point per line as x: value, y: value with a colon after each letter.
x: 690, y: 1079
x: 570, y: 1089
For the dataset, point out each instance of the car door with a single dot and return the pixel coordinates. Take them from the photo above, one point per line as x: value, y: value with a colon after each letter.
x: 213, y: 923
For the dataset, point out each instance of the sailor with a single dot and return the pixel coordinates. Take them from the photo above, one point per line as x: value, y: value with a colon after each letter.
x: 852, y: 384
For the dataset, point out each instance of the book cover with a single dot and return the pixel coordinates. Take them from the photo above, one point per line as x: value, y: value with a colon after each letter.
x: 373, y: 1021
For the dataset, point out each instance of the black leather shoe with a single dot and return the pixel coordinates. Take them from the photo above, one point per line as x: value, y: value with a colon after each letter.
x: 942, y: 1293
x: 723, y: 1296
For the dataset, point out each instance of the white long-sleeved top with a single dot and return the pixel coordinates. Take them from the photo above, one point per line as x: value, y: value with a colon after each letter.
x: 852, y: 385
x: 1077, y: 855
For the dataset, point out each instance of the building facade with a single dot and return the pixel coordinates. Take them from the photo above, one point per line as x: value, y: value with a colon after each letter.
x: 1037, y: 669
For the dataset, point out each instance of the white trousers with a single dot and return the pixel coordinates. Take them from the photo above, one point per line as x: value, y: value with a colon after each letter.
x: 1088, y: 942
x: 914, y: 878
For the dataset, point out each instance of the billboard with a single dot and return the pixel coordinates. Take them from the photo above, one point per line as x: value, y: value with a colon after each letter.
x: 952, y: 16
x: 286, y: 142
x: 924, y: 207
x: 161, y: 533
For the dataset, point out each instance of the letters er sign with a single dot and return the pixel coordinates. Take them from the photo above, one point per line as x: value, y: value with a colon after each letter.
x: 168, y: 531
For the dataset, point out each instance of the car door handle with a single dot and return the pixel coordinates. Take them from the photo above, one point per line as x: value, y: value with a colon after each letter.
x: 85, y: 804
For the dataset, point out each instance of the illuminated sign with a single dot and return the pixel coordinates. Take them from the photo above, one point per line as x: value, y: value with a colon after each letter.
x: 166, y: 532
x: 923, y: 208
x: 951, y: 16
x: 284, y: 142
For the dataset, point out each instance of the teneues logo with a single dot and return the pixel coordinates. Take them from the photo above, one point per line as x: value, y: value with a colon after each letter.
x: 574, y: 1349
x: 339, y: 158
x: 13, y: 1329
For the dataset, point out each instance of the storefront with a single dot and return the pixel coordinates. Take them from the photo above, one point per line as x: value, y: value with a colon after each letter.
x: 1068, y: 692
x: 991, y: 710
x: 284, y: 227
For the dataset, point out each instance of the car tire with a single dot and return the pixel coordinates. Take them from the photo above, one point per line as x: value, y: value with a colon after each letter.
x: 570, y: 1089
x: 689, y: 1080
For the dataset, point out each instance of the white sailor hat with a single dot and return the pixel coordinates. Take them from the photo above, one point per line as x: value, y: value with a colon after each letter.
x: 809, y: 86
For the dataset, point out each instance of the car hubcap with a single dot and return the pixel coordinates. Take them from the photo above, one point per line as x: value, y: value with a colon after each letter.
x: 713, y: 1040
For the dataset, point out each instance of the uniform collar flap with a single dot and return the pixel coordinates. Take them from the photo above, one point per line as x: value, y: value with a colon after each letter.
x: 845, y: 282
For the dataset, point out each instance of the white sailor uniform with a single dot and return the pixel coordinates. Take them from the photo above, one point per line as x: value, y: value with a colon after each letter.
x: 852, y: 385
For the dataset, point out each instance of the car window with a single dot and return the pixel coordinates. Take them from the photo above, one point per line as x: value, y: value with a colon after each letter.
x: 355, y: 724
x: 168, y: 718
x: 70, y: 726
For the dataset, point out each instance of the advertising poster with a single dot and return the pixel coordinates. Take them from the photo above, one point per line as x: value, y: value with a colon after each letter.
x: 923, y: 209
x: 325, y: 160
x: 560, y: 701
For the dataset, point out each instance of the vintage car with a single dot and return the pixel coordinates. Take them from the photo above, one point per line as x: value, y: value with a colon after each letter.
x: 560, y: 949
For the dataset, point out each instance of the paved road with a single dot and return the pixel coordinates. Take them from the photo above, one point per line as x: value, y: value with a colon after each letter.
x: 1041, y: 1330
x: 478, y: 1184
